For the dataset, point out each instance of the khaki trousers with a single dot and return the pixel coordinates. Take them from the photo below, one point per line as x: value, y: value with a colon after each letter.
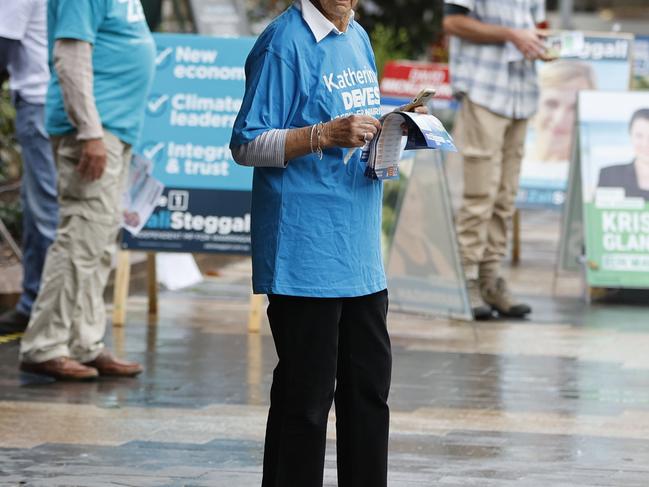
x: 492, y: 149
x: 69, y: 315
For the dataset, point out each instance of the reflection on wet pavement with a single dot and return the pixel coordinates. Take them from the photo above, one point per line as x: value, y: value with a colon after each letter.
x: 561, y: 399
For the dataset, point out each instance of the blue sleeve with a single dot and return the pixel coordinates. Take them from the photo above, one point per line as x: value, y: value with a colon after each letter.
x: 272, y: 93
x: 79, y: 19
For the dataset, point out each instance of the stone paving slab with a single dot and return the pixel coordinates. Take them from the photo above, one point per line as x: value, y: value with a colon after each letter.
x: 416, y: 460
x: 558, y: 400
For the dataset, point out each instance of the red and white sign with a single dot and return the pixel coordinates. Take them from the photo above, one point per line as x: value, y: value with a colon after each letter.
x: 404, y: 79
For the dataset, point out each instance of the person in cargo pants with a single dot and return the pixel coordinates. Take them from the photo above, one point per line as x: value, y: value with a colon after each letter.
x: 493, y: 50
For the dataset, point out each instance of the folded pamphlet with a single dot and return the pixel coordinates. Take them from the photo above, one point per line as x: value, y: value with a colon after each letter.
x: 142, y: 195
x: 564, y: 44
x: 402, y: 131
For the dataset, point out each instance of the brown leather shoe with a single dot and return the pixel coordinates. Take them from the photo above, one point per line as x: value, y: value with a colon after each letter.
x: 62, y: 368
x: 107, y: 364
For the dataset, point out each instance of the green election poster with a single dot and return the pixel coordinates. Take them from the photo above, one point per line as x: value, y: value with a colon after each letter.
x: 614, y: 150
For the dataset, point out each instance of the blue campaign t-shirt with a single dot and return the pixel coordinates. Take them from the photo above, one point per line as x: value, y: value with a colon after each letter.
x: 316, y: 224
x: 123, y: 62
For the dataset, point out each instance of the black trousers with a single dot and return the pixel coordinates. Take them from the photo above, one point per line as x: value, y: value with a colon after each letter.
x: 329, y: 347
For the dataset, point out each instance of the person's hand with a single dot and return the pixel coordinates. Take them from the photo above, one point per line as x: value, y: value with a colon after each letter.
x: 548, y: 56
x: 352, y: 131
x: 420, y: 109
x: 93, y: 159
x: 528, y: 42
x: 131, y: 218
x: 550, y: 53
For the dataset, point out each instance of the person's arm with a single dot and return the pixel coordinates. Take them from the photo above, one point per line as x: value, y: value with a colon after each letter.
x: 73, y: 64
x: 276, y: 147
x: 7, y: 47
x: 266, y: 150
x: 347, y: 132
x: 459, y: 23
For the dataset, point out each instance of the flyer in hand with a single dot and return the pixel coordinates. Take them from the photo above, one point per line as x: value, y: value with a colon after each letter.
x: 142, y: 194
x: 402, y: 131
x: 564, y: 44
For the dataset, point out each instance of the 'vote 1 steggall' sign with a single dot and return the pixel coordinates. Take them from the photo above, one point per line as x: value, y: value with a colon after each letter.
x: 196, y: 94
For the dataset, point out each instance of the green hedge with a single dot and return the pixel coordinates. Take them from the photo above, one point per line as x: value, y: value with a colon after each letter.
x: 10, y: 164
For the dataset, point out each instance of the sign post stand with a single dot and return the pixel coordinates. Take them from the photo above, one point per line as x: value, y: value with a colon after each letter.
x: 516, y: 238
x: 256, y: 313
x: 424, y: 272
x: 122, y: 279
x: 120, y: 293
x: 152, y: 284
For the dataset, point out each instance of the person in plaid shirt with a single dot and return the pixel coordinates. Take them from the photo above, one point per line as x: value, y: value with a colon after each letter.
x: 494, y: 45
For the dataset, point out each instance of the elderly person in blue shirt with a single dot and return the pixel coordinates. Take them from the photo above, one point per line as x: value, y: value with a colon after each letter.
x: 311, y: 97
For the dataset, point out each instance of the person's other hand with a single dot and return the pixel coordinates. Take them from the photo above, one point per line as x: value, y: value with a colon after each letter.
x: 528, y: 42
x: 93, y: 159
x: 550, y: 53
x: 420, y: 109
x: 548, y: 56
x: 131, y: 218
x: 352, y: 131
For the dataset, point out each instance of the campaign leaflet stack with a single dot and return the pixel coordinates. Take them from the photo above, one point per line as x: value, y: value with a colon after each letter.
x: 195, y: 97
x: 383, y: 153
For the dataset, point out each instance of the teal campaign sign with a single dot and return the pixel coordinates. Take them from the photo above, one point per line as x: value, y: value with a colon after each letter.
x: 196, y: 94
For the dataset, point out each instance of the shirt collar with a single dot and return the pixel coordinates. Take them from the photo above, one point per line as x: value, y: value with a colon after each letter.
x: 320, y: 25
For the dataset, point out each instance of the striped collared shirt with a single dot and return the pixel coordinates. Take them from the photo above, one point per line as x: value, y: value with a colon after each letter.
x: 497, y: 76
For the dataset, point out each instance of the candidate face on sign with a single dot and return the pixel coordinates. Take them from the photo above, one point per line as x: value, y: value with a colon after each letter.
x: 633, y: 176
x: 640, y: 138
x: 559, y: 81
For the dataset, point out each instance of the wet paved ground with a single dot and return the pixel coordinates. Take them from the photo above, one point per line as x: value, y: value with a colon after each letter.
x: 559, y: 400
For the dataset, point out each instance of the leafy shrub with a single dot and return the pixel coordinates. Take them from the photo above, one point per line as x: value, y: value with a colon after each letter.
x: 10, y: 165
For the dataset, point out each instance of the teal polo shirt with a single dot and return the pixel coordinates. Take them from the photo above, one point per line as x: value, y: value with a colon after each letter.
x: 123, y: 62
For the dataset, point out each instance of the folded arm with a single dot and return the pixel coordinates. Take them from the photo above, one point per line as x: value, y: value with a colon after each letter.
x: 275, y: 147
x: 457, y: 22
